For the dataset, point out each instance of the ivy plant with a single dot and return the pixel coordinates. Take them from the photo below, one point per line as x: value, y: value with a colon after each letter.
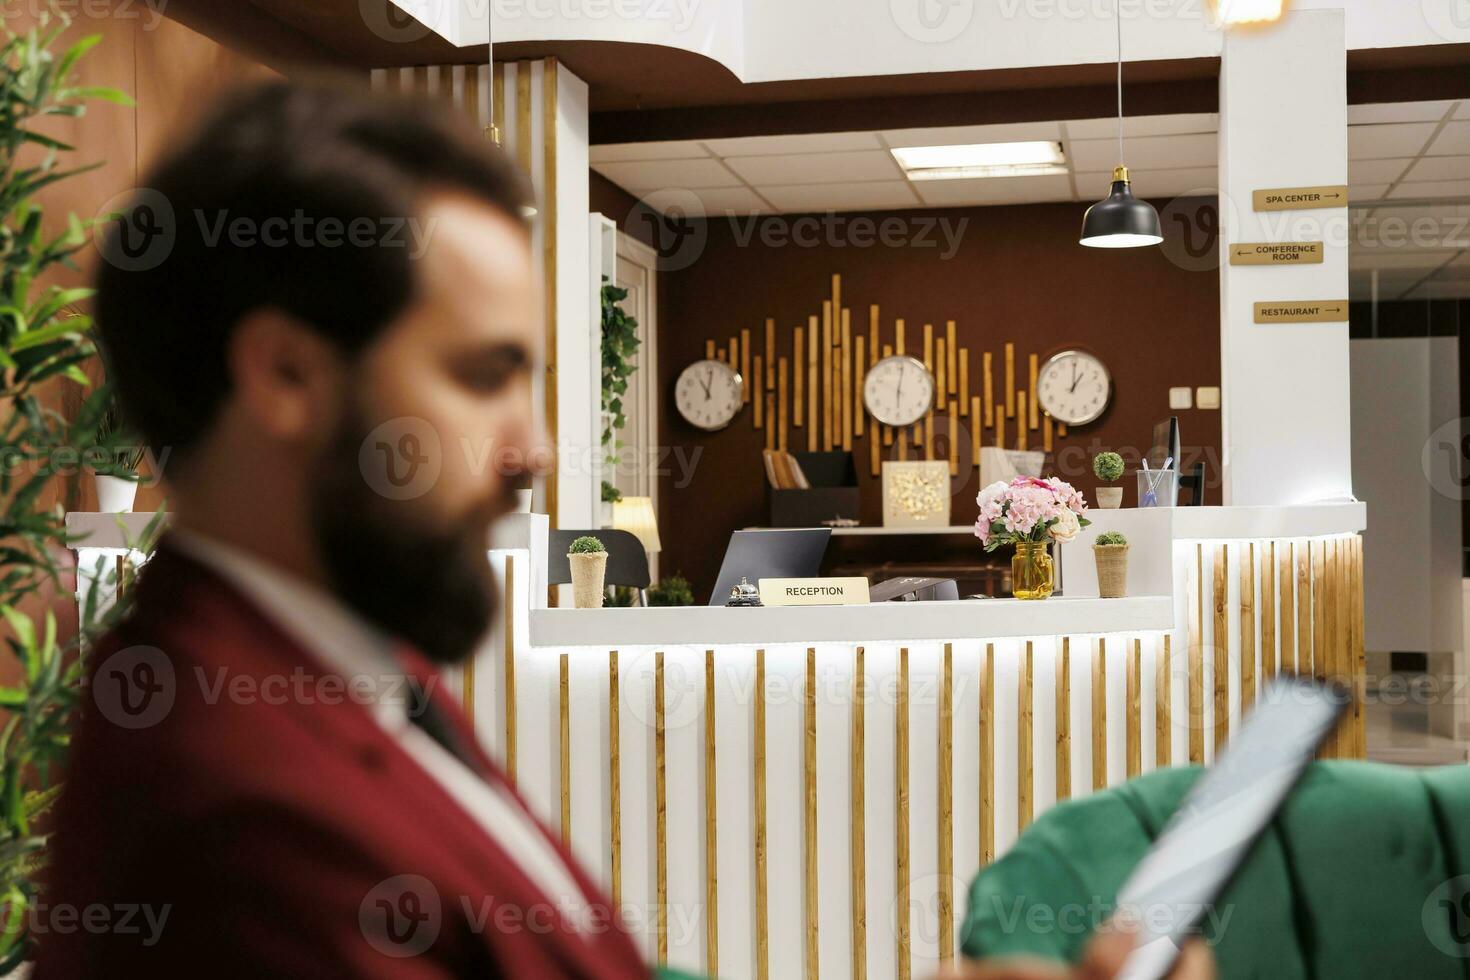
x: 619, y: 344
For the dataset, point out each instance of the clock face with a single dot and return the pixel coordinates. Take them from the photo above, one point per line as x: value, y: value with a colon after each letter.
x: 1074, y: 387
x: 898, y: 390
x: 709, y: 394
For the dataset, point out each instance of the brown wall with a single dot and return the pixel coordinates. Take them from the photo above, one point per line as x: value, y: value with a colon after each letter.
x: 1017, y: 275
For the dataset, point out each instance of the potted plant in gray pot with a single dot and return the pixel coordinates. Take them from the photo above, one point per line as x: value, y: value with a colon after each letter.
x: 588, y: 559
x: 1110, y: 550
x: 1108, y: 467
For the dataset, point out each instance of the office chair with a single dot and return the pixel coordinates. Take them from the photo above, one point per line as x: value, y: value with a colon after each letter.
x: 627, y: 562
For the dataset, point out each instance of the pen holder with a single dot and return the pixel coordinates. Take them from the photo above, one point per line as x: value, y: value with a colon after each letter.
x: 1158, y: 488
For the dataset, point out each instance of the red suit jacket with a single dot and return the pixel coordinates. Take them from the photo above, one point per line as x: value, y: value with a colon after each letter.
x: 229, y: 812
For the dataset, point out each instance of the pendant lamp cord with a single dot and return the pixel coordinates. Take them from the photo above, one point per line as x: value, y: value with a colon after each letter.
x: 490, y: 57
x: 1118, y: 19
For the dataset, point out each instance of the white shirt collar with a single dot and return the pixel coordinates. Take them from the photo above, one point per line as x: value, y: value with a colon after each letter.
x: 344, y: 641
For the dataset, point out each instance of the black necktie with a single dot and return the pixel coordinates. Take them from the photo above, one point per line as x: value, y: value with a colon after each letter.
x: 425, y: 713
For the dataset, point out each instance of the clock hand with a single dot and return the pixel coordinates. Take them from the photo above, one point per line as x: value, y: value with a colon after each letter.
x: 898, y: 393
x: 1075, y: 378
x: 708, y: 377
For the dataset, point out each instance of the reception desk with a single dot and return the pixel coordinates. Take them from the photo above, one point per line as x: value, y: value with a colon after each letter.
x: 807, y: 791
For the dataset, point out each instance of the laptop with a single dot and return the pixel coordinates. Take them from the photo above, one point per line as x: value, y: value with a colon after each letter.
x: 774, y: 553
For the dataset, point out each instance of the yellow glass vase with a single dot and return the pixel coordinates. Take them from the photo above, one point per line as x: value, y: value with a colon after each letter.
x: 1033, y: 576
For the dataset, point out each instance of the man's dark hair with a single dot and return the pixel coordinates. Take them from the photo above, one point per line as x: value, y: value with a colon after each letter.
x: 298, y: 197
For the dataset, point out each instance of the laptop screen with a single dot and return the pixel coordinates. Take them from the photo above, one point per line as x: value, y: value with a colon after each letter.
x: 775, y: 553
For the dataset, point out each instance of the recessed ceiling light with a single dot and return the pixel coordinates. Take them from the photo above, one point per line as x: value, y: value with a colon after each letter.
x: 1228, y: 12
x: 1033, y: 158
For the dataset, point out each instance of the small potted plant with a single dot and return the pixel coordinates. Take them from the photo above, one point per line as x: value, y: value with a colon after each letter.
x: 116, y: 478
x: 1108, y: 467
x: 588, y: 559
x: 671, y: 591
x: 1110, y: 550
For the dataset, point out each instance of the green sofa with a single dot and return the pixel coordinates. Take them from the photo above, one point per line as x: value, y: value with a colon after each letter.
x: 1359, y: 876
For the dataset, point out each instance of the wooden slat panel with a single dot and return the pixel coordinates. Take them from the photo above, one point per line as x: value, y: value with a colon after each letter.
x: 711, y: 824
x: 1304, y: 607
x: 964, y: 392
x: 844, y: 394
x: 1220, y: 603
x: 1010, y: 380
x: 813, y: 421
x: 954, y: 443
x: 941, y: 376
x: 951, y: 367
x: 781, y: 403
x: 1285, y: 584
x: 860, y: 352
x: 975, y: 430
x: 1270, y: 664
x: 615, y: 778
x: 946, y: 808
x: 1320, y: 653
x: 550, y: 197
x: 1163, y: 704
x: 734, y: 358
x: 1343, y: 638
x: 1248, y: 626
x: 770, y: 376
x: 1100, y: 716
x: 745, y: 362
x: 661, y: 811
x: 987, y: 757
x: 762, y: 909
x: 987, y: 388
x: 827, y: 414
x: 798, y: 359
x: 564, y: 696
x: 1021, y: 440
x: 1064, y: 720
x: 1196, y: 678
x: 1134, y: 734
x: 901, y: 824
x: 709, y: 350
x: 809, y: 824
x: 858, y: 843
x: 523, y: 117
x: 1360, y: 666
x: 1033, y: 419
x: 1025, y: 774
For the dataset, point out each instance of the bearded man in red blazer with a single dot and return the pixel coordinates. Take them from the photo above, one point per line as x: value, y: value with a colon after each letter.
x: 324, y: 311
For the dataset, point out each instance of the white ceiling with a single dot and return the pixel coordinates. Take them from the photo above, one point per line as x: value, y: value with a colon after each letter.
x: 1401, y: 156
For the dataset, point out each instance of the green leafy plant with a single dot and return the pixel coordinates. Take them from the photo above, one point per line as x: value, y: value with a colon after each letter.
x: 621, y: 597
x: 1110, y: 538
x: 1107, y: 466
x: 125, y: 453
x: 619, y: 344
x: 586, y: 545
x: 44, y: 341
x: 672, y: 590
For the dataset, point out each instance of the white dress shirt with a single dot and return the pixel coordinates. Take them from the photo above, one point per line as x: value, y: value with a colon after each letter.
x: 363, y: 655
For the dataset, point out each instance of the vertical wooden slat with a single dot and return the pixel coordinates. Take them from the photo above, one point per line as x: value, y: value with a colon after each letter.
x: 1269, y: 652
x: 1046, y: 433
x: 550, y: 197
x: 661, y: 811
x: 467, y: 673
x: 875, y: 446
x: 1163, y: 704
x: 975, y: 430
x: 781, y: 402
x: 1360, y: 667
x: 1034, y: 420
x: 860, y: 351
x: 1000, y: 426
x: 523, y: 117
x: 964, y: 393
x: 827, y: 415
x: 901, y: 824
x: 497, y: 93
x: 926, y: 430
x: 987, y: 757
x: 941, y: 379
x: 1321, y: 655
x: 1099, y: 714
x: 952, y: 365
x: 844, y: 399
x: 872, y: 335
x: 1343, y: 641
x: 564, y: 693
x: 734, y: 358
x: 1248, y: 626
x: 946, y: 808
x: 1021, y: 440
x: 1010, y: 380
x: 770, y: 378
x: 813, y: 422
x: 711, y: 824
x: 954, y: 443
x: 762, y: 910
x: 987, y: 387
x: 745, y: 363
x: 1220, y: 603
x: 1285, y: 580
x: 1024, y: 765
x: 1064, y: 720
x: 798, y: 374
x: 615, y: 779
x: 510, y: 669
x: 858, y: 834
x: 1304, y: 607
x: 709, y: 350
x: 809, y: 824
x: 1196, y: 678
x: 1134, y: 724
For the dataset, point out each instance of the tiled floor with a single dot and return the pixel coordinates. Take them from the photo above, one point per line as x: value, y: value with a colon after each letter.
x: 1398, y: 732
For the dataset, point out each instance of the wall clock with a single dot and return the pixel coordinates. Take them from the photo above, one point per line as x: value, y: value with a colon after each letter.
x: 1074, y: 387
x: 898, y: 390
x: 709, y: 394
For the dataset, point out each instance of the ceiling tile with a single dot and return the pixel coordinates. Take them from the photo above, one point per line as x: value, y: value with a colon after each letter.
x: 1107, y: 128
x: 1398, y: 112
x: 1464, y: 111
x: 1424, y: 262
x: 1439, y: 168
x: 1366, y: 192
x: 709, y: 202
x: 669, y: 150
x: 1146, y: 153
x: 749, y: 146
x: 995, y: 190
x: 960, y: 135
x: 877, y: 195
x: 1380, y: 142
x: 1186, y: 182
x: 1377, y: 171
x: 1453, y: 139
x: 1432, y: 189
x: 817, y: 168
x: 653, y: 175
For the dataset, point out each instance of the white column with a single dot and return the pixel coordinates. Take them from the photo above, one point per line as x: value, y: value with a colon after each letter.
x: 1283, y: 123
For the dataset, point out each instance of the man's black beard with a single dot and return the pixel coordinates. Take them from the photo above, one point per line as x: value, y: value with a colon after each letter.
x: 431, y: 587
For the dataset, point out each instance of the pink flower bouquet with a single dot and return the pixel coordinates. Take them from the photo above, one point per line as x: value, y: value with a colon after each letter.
x: 1028, y: 509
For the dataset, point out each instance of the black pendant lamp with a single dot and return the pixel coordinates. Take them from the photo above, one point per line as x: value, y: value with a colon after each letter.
x: 1120, y: 220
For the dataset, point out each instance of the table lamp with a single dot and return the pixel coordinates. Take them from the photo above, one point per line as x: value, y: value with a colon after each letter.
x: 635, y: 514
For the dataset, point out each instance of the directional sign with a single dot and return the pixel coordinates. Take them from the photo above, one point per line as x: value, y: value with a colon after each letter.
x: 1300, y: 198
x: 1302, y: 311
x: 1276, y: 253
